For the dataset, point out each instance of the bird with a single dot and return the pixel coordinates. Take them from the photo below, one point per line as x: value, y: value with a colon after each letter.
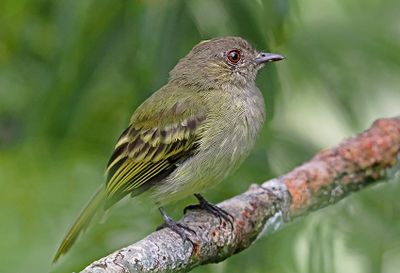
x: 187, y: 136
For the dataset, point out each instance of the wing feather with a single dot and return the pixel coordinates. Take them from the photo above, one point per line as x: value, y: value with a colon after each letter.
x: 146, y: 153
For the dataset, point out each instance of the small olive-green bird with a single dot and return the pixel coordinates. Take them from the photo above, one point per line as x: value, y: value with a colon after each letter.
x: 189, y: 135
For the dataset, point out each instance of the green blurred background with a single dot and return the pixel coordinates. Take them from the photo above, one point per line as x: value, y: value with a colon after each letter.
x: 72, y: 72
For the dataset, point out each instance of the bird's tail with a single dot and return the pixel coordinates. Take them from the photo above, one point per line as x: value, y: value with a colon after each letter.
x: 81, y: 222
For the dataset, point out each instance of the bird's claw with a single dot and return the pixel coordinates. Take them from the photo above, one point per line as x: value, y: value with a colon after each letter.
x: 176, y: 227
x: 213, y: 209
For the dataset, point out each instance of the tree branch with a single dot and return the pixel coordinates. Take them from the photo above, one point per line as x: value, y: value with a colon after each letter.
x: 331, y: 175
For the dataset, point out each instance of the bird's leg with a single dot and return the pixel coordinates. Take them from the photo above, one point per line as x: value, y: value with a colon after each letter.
x: 178, y: 228
x: 213, y: 209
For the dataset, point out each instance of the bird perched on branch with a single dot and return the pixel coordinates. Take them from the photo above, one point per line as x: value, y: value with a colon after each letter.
x: 189, y: 135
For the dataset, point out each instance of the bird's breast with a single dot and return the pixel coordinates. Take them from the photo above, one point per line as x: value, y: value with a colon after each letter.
x: 227, y: 137
x: 232, y: 136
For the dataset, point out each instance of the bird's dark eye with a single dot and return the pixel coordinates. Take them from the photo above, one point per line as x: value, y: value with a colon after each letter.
x: 233, y: 56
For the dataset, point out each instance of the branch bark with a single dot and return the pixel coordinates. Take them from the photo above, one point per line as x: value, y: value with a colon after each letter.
x: 332, y: 174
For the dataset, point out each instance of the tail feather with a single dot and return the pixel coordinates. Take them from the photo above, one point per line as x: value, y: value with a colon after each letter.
x: 81, y: 222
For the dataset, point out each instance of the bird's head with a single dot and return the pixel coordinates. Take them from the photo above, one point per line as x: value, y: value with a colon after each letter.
x: 221, y: 62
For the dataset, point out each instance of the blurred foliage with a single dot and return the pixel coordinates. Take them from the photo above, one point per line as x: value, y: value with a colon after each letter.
x: 72, y: 72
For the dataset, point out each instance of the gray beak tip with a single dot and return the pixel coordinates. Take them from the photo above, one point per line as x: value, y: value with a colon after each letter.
x: 268, y: 57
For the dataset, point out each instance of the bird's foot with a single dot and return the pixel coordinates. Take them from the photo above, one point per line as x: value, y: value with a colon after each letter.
x: 213, y: 209
x: 178, y: 228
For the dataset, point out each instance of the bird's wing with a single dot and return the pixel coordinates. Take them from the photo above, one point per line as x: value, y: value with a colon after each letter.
x: 164, y: 131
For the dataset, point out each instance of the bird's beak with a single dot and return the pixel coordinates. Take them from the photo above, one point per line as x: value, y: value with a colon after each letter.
x: 263, y: 58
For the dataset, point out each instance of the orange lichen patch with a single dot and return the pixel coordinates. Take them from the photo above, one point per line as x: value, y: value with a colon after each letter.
x: 246, y: 213
x: 196, y: 249
x: 215, y: 235
x: 352, y: 164
x: 253, y: 206
x: 304, y: 182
